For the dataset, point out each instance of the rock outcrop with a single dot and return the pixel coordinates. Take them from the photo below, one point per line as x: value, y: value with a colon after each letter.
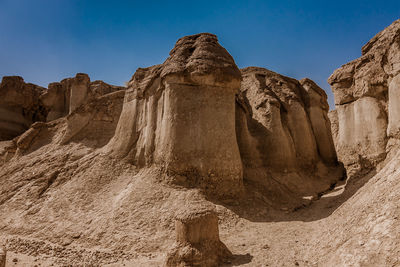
x: 3, y: 256
x: 366, y: 100
x: 180, y: 116
x: 62, y: 98
x: 284, y: 133
x: 197, y: 239
x: 94, y: 123
x: 20, y: 106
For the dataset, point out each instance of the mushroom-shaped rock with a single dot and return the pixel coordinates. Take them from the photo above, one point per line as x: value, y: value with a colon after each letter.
x: 197, y: 240
x: 180, y: 115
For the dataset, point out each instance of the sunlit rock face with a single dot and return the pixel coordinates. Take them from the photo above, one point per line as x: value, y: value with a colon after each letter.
x: 284, y: 133
x: 367, y: 99
x: 63, y: 98
x: 180, y: 117
x: 20, y: 106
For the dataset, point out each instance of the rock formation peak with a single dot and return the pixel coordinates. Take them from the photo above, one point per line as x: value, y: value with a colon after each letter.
x: 202, y: 59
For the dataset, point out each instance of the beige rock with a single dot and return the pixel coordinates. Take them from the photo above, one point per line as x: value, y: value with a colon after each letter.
x: 181, y: 116
x: 79, y: 91
x: 95, y: 122
x: 197, y: 240
x: 393, y: 128
x: 55, y: 100
x: 3, y: 256
x: 283, y: 132
x: 62, y: 98
x: 333, y: 118
x: 317, y: 110
x: 19, y: 106
x: 362, y: 132
x: 366, y: 98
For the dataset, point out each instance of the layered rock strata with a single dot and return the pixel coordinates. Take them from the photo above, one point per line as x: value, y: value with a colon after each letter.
x: 284, y: 133
x: 62, y: 98
x: 180, y: 116
x: 3, y: 256
x: 366, y: 100
x: 20, y: 106
x: 197, y: 240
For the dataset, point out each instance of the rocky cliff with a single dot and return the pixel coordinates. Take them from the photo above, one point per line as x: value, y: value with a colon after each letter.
x: 237, y: 163
x: 366, y: 100
x: 20, y: 106
x: 284, y: 133
x: 180, y: 117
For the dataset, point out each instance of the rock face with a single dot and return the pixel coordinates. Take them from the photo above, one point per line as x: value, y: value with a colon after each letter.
x: 284, y: 133
x: 180, y: 116
x: 3, y: 255
x: 20, y: 106
x: 366, y: 99
x: 62, y: 98
x: 95, y: 122
x: 197, y: 240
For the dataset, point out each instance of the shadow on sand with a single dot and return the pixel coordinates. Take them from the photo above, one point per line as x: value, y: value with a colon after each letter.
x: 238, y: 260
x: 257, y: 208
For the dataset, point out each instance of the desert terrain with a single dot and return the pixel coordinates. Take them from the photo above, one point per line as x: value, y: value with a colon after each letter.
x: 196, y: 162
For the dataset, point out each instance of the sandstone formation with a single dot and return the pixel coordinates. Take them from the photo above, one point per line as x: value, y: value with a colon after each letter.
x: 20, y: 106
x: 95, y: 122
x: 83, y: 171
x: 180, y: 116
x: 197, y: 239
x: 284, y: 133
x: 3, y: 256
x: 366, y: 99
x: 62, y: 98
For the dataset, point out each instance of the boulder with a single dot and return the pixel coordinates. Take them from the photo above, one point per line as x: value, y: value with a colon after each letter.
x: 197, y: 240
x: 20, y: 106
x: 180, y: 116
x: 366, y: 100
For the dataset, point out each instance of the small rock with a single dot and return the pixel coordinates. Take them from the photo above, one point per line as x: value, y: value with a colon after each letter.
x: 266, y: 247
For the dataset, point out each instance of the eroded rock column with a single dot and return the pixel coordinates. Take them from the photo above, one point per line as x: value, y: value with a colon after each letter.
x: 197, y: 240
x: 180, y: 116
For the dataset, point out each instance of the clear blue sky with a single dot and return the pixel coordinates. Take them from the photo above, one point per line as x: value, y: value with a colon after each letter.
x: 48, y: 40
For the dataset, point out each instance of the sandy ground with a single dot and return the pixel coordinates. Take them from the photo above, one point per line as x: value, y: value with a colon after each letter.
x: 102, y: 212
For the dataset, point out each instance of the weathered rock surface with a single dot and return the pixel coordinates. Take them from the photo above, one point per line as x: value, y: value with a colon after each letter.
x: 284, y: 133
x: 366, y: 99
x: 180, y: 116
x: 68, y: 197
x: 95, y: 122
x: 20, y: 106
x: 3, y: 256
x: 63, y: 98
x: 197, y: 239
